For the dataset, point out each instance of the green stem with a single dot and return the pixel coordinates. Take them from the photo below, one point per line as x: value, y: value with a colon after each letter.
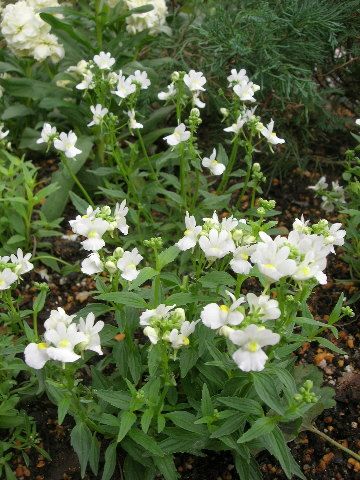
x: 143, y: 148
x: 50, y: 257
x: 98, y: 24
x: 246, y: 181
x: 313, y: 429
x: 183, y: 176
x: 229, y: 167
x: 76, y: 180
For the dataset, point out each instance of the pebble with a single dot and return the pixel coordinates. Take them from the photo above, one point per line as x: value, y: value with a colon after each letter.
x: 354, y: 424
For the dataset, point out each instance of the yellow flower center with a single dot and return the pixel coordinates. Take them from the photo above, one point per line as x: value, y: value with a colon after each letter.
x: 42, y: 346
x: 269, y: 265
x: 92, y: 234
x: 224, y: 308
x: 253, y: 346
x: 64, y: 343
x: 2, y: 282
x: 305, y: 270
x: 187, y: 232
x: 244, y: 256
x: 186, y: 341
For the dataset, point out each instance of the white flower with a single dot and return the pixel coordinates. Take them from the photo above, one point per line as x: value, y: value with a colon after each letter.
x: 171, y: 92
x: 263, y: 307
x: 7, y: 278
x: 133, y: 124
x: 81, y: 68
x: 140, y: 78
x: 91, y: 331
x: 272, y: 259
x: 104, y: 60
x: 87, y: 81
x: 320, y: 185
x: 128, y: 263
x: 92, y: 264
x: 154, y: 20
x: 56, y: 317
x: 216, y: 244
x: 250, y: 357
x: 99, y: 113
x: 339, y: 191
x: 125, y: 87
x: 216, y: 316
x: 179, y: 338
x: 160, y: 312
x: 48, y: 46
x: 91, y: 227
x: 301, y: 225
x: 236, y: 127
x: 152, y: 334
x: 120, y: 213
x: 237, y: 77
x: 2, y: 133
x: 271, y: 136
x: 47, y: 134
x: 64, y: 339
x: 180, y: 135
x: 357, y: 121
x: 66, y: 143
x: 195, y: 81
x: 22, y: 262
x: 196, y: 100
x: 36, y: 355
x: 240, y: 261
x: 336, y: 236
x: 246, y: 90
x: 191, y: 233
x: 215, y: 167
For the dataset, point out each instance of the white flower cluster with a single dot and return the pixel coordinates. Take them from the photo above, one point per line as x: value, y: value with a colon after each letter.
x: 93, y: 226
x: 64, y: 142
x: 251, y: 311
x: 301, y: 255
x: 329, y: 197
x: 26, y: 34
x: 153, y: 20
x: 165, y: 323
x: 194, y: 82
x: 12, y: 267
x: 62, y: 337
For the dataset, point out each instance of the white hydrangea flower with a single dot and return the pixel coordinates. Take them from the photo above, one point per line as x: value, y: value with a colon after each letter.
x: 133, y: 123
x: 195, y: 81
x: 99, y: 113
x: 58, y: 316
x: 121, y: 210
x: 36, y: 355
x: 22, y: 262
x: 141, y: 78
x: 215, y: 167
x: 272, y: 258
x: 240, y: 261
x: 128, y: 263
x: 216, y: 316
x: 125, y: 87
x: 216, y: 244
x: 91, y: 331
x: 92, y: 264
x: 191, y: 234
x: 170, y: 93
x: 66, y: 143
x: 270, y: 135
x: 64, y: 339
x: 104, y: 60
x: 250, y: 357
x: 153, y: 20
x: 7, y: 278
x: 180, y: 135
x: 264, y: 307
x: 48, y: 133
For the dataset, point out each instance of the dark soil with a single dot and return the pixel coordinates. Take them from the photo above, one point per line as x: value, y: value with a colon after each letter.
x: 317, y: 458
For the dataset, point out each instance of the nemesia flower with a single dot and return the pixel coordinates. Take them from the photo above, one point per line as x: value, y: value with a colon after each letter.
x: 92, y: 264
x: 91, y: 330
x: 58, y: 316
x: 170, y: 93
x: 93, y: 230
x: 47, y: 134
x: 81, y: 68
x: 64, y: 339
x: 124, y: 87
x: 336, y: 236
x: 128, y: 263
x: 357, y: 121
x: 216, y: 244
x: 2, y: 133
x: 152, y: 334
x: 7, y: 278
x: 246, y: 91
x: 250, y: 357
x: 133, y: 123
x: 120, y: 213
x: 140, y: 78
x: 191, y: 234
x: 236, y: 127
x: 104, y: 60
x: 87, y: 81
x: 240, y: 261
x: 180, y: 338
x: 271, y: 136
x: 99, y: 113
x: 160, y: 312
x: 195, y: 81
x: 237, y: 77
x: 215, y: 167
x: 36, y: 355
x: 180, y: 135
x: 196, y: 100
x: 22, y: 262
x: 216, y: 316
x: 66, y: 143
x: 264, y: 307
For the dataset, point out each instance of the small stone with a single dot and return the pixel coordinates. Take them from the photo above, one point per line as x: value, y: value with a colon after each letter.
x: 354, y: 424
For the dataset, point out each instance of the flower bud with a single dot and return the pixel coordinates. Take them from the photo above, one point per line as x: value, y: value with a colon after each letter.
x: 224, y: 112
x: 110, y: 266
x: 175, y: 76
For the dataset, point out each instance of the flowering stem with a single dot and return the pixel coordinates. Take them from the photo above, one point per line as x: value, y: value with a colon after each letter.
x: 50, y: 257
x: 183, y: 176
x: 313, y: 429
x: 76, y: 180
x: 229, y: 167
x: 246, y: 181
x: 153, y: 173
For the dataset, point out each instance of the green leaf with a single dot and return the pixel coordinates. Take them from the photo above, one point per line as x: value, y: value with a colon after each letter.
x: 127, y: 420
x: 94, y: 455
x: 145, y: 274
x: 116, y: 399
x: 63, y: 409
x: 229, y: 426
x: 186, y: 421
x: 207, y: 407
x: 146, y: 419
x: 327, y: 344
x: 214, y: 279
x: 261, y: 427
x: 180, y: 299
x: 129, y: 299
x: 58, y: 26
x: 110, y: 462
x: 145, y: 441
x: 81, y: 442
x: 16, y: 111
x: 244, y: 405
x: 167, y: 256
x: 79, y: 203
x: 188, y: 358
x: 167, y: 467
x: 267, y: 391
